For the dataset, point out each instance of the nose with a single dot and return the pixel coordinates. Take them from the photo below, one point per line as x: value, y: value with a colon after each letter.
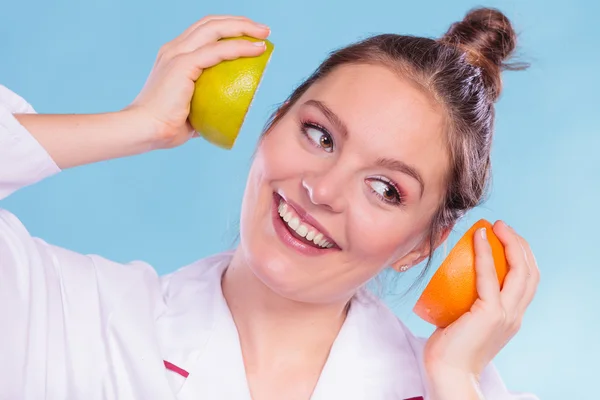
x: 325, y: 190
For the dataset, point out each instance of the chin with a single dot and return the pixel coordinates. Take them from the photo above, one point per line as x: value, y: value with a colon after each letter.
x: 277, y: 271
x: 292, y: 279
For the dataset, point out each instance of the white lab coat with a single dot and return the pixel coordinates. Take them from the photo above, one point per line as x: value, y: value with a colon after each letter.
x: 83, y: 327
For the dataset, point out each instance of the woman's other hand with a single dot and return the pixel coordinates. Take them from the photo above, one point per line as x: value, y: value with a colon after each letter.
x: 455, y: 356
x: 164, y: 102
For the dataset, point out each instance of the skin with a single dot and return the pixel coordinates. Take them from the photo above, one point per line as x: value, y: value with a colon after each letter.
x: 335, y: 185
x: 298, y: 303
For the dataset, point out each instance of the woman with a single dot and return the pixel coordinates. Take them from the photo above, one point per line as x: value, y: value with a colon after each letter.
x: 368, y: 164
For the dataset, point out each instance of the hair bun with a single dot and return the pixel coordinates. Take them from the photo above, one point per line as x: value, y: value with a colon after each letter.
x: 488, y: 39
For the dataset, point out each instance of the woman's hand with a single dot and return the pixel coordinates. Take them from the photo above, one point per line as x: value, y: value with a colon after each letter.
x: 164, y: 102
x: 157, y: 118
x: 456, y: 356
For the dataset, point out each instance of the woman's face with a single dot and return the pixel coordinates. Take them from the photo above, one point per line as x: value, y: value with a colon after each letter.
x: 356, y: 168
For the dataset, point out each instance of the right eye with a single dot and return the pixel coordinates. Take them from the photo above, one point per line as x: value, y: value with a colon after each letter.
x: 318, y: 136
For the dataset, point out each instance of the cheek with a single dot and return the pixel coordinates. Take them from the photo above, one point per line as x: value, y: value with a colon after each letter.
x: 278, y: 154
x: 274, y: 165
x: 380, y: 237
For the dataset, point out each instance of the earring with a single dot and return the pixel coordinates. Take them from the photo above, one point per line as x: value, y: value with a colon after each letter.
x: 404, y: 268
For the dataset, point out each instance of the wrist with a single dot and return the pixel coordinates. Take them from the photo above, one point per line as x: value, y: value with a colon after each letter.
x: 139, y: 134
x: 147, y: 131
x: 447, y: 383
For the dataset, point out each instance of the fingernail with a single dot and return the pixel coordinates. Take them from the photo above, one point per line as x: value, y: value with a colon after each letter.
x: 483, y: 233
x: 263, y: 26
x: 259, y: 44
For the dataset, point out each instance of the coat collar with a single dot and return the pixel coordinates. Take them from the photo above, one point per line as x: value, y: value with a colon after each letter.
x: 373, y: 357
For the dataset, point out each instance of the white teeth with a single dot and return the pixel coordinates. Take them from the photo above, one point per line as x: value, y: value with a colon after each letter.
x: 294, y: 223
x: 282, y: 209
x: 317, y: 239
x: 302, y: 230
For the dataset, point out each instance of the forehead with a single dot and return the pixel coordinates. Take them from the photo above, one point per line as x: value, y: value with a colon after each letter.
x: 387, y: 116
x: 376, y: 96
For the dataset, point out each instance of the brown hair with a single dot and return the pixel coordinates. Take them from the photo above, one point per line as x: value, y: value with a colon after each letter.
x: 461, y: 70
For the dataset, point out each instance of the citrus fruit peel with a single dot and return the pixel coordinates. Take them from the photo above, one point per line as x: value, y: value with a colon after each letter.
x: 452, y: 290
x: 223, y: 94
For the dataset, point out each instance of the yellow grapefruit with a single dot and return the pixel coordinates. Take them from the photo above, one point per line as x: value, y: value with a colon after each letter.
x: 223, y: 94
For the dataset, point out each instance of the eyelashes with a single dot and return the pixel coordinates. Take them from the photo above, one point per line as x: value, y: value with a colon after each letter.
x: 383, y: 188
x: 317, y: 135
x: 386, y: 190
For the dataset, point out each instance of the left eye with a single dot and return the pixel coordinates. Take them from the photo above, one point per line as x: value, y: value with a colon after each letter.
x: 386, y: 191
x: 318, y: 136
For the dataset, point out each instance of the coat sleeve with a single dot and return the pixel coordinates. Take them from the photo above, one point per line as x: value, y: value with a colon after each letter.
x: 56, y: 305
x: 23, y: 161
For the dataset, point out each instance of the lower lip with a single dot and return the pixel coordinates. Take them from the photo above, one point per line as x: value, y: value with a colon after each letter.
x: 286, y: 236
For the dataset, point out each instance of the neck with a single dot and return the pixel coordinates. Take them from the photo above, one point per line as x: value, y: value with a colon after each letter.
x: 272, y: 328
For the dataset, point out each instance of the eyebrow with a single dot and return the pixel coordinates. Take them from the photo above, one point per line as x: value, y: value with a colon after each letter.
x: 331, y: 116
x: 388, y: 163
x: 400, y: 166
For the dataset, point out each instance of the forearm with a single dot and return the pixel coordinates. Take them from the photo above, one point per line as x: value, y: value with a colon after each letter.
x: 449, y: 385
x: 73, y: 140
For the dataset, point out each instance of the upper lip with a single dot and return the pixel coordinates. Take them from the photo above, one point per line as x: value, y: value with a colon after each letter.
x: 305, y: 216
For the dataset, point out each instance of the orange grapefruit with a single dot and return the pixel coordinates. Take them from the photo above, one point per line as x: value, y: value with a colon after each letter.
x: 452, y: 289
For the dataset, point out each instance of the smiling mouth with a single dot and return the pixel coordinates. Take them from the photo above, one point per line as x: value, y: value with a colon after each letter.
x: 301, y: 229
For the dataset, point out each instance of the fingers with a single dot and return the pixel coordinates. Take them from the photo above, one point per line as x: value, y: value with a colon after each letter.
x: 214, y: 30
x: 516, y: 280
x: 204, y: 20
x: 210, y: 30
x: 533, y: 279
x: 193, y: 63
x: 488, y: 287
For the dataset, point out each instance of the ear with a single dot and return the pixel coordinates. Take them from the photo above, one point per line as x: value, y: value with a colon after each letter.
x: 419, y: 254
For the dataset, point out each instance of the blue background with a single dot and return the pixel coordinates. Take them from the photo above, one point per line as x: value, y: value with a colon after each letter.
x: 172, y: 207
